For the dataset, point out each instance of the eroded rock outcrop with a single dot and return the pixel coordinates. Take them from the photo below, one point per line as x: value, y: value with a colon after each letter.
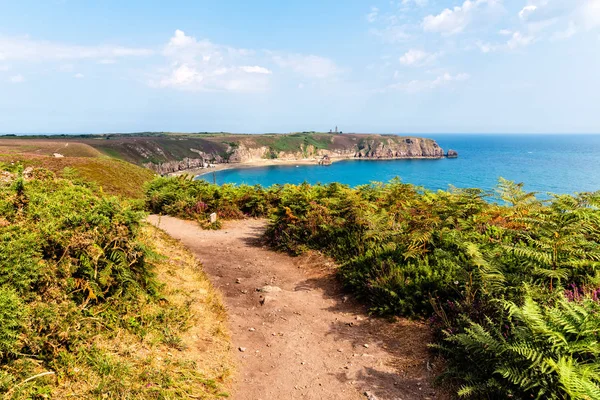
x: 169, y: 167
x: 252, y: 148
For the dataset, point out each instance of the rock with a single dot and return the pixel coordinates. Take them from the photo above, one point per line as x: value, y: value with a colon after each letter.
x: 28, y: 173
x: 213, y: 218
x: 452, y: 153
x: 269, y: 289
x: 366, y: 346
x: 266, y: 300
x: 371, y: 396
x: 251, y: 329
x: 6, y: 177
x: 242, y: 349
x: 238, y: 281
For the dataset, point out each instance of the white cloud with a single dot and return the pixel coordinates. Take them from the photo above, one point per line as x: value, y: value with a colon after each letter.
x: 485, y: 47
x: 309, y: 66
x: 392, y: 34
x: 519, y: 40
x: 200, y: 65
x: 422, y: 85
x: 418, y: 3
x: 505, y: 32
x: 372, y: 16
x: 527, y: 11
x: 256, y: 70
x: 416, y: 58
x: 4, y: 68
x: 455, y: 20
x: 567, y: 33
x: 79, y: 75
x: 585, y: 17
x: 589, y: 14
x: 107, y: 61
x: 16, y: 79
x: 26, y: 49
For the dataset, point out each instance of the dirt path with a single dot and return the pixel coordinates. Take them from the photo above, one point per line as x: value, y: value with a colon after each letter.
x: 308, y: 340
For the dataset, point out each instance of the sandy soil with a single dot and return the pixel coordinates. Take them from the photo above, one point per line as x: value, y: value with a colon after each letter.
x: 308, y: 340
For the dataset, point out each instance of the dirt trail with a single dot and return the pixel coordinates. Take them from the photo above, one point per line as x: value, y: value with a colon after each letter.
x: 309, y: 340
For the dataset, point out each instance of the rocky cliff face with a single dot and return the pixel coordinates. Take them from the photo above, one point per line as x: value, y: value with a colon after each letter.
x: 249, y: 149
x: 203, y: 161
x: 391, y: 148
x: 341, y: 147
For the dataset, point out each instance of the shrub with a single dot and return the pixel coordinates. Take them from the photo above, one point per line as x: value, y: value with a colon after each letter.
x: 197, y: 199
x: 11, y: 312
x: 68, y: 256
x: 509, y: 283
x: 548, y: 351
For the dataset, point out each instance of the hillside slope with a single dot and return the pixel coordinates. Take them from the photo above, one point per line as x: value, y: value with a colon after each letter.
x: 170, y: 152
x: 77, y: 159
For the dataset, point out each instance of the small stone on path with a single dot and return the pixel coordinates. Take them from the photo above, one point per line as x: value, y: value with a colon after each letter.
x: 265, y: 300
x: 371, y: 396
x: 269, y: 289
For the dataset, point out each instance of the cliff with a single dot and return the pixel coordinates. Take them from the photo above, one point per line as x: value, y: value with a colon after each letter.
x: 166, y: 153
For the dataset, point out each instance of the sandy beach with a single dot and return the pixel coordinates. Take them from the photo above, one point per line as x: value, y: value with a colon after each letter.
x: 249, y: 164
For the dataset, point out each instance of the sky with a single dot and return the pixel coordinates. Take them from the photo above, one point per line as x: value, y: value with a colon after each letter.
x: 403, y: 66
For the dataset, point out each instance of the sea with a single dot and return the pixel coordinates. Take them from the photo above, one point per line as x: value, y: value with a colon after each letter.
x: 561, y: 164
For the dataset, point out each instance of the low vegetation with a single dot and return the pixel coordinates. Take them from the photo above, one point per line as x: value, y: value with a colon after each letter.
x: 196, y: 199
x: 84, y: 308
x: 508, y: 282
x: 115, y: 177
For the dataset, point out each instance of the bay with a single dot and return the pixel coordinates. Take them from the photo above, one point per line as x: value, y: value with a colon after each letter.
x: 566, y: 163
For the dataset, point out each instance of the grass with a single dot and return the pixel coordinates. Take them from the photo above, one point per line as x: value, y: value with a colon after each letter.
x: 296, y: 142
x: 47, y: 148
x: 95, y: 303
x: 113, y: 176
x: 160, y: 147
x: 158, y: 355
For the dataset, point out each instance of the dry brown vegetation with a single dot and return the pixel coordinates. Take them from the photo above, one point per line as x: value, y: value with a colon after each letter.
x: 114, y: 176
x: 47, y: 148
x: 191, y: 363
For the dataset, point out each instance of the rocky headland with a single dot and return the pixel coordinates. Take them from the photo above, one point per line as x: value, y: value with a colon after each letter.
x: 172, y: 153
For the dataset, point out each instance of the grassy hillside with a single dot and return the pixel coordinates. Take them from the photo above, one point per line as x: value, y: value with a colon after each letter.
x: 82, y: 160
x: 157, y: 148
x: 90, y: 306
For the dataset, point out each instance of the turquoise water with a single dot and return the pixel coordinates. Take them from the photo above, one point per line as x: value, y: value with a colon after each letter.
x: 545, y: 163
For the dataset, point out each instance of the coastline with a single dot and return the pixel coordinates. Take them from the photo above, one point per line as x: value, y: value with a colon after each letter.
x: 244, y: 165
x: 196, y: 172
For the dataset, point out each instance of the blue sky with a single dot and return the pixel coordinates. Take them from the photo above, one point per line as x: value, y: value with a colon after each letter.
x: 405, y: 66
